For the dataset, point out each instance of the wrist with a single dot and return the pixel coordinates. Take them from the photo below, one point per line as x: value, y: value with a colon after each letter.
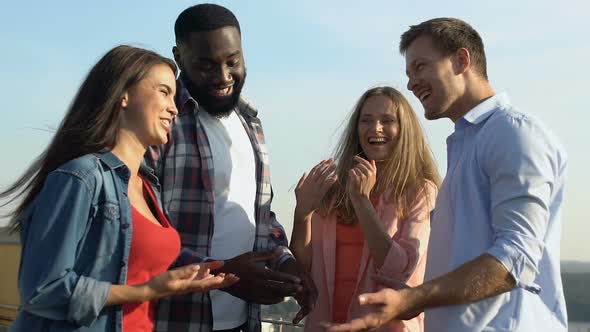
x: 302, y: 214
x: 145, y: 292
x: 359, y: 199
x: 415, y: 299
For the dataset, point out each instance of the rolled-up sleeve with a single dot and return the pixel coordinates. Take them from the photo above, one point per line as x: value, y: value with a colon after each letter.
x: 49, y: 287
x: 278, y: 241
x: 522, y: 171
x: 411, y: 241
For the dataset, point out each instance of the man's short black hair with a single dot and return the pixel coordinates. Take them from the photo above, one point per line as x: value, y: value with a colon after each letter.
x: 203, y: 17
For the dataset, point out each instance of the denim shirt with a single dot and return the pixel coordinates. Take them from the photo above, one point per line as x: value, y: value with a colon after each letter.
x: 76, y: 237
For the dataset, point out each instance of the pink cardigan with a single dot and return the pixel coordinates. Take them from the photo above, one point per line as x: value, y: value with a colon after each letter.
x: 405, y: 261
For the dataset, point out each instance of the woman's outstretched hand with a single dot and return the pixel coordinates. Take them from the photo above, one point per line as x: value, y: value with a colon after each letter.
x: 188, y: 279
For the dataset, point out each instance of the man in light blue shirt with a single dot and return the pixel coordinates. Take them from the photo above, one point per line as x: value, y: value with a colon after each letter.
x: 493, y: 258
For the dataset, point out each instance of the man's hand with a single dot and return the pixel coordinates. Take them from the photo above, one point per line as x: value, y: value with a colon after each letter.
x: 257, y: 283
x: 308, y: 294
x: 389, y: 305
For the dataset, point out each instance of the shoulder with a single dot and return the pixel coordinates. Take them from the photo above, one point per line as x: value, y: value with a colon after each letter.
x: 510, y: 130
x: 512, y: 141
x: 86, y: 169
x: 247, y: 108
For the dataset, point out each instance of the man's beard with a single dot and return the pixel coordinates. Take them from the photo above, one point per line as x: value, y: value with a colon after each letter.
x: 219, y: 107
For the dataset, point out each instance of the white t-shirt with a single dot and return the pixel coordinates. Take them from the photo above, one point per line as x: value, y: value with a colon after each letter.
x: 234, y: 170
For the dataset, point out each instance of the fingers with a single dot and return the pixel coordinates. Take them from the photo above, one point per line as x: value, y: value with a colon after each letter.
x: 229, y: 279
x: 368, y: 322
x: 301, y: 181
x: 301, y: 314
x: 322, y: 170
x: 369, y: 164
x: 185, y: 272
x: 379, y: 297
x: 354, y: 178
x: 288, y: 278
x: 212, y: 265
x: 368, y: 168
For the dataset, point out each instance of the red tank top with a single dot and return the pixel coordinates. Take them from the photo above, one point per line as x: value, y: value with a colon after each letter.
x: 350, y: 240
x: 349, y: 248
x: 153, y: 249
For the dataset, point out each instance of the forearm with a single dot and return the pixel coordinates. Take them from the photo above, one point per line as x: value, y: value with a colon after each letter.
x: 378, y: 241
x: 476, y: 280
x: 301, y: 238
x: 122, y: 294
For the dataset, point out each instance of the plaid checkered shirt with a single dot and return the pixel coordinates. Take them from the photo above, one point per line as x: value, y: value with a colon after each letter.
x: 185, y: 169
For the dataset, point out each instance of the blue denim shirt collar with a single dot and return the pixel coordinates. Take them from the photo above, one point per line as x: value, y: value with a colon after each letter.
x: 114, y: 163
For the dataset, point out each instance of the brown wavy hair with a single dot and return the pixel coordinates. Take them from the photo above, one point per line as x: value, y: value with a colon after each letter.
x: 401, y: 177
x: 91, y: 123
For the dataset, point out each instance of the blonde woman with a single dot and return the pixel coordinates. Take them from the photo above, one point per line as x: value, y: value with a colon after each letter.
x: 364, y: 218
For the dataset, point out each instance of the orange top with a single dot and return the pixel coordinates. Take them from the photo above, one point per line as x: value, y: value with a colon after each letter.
x: 349, y: 248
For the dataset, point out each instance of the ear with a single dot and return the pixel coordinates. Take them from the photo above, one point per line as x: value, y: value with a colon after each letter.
x: 125, y: 100
x: 176, y: 53
x: 462, y: 61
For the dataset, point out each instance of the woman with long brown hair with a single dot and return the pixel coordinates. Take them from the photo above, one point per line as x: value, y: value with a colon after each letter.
x: 96, y: 245
x: 364, y: 217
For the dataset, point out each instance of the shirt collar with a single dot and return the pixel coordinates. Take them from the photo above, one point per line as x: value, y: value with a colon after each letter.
x: 110, y: 159
x: 120, y: 168
x: 184, y: 101
x: 482, y: 111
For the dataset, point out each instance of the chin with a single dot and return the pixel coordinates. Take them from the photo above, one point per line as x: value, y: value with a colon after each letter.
x: 432, y: 115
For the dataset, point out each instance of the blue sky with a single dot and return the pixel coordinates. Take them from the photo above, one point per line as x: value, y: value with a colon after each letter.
x: 308, y: 62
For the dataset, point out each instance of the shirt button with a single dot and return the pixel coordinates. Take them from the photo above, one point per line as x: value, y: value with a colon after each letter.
x: 125, y: 225
x: 123, y: 263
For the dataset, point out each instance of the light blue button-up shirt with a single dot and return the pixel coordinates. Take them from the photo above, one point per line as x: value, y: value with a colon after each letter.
x: 502, y: 195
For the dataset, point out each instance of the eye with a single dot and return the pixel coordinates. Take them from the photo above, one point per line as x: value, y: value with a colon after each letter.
x: 233, y: 63
x: 204, y: 65
x: 420, y: 66
x: 164, y: 92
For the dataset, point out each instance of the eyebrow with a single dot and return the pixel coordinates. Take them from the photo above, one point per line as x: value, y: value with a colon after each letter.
x: 231, y: 55
x: 165, y: 86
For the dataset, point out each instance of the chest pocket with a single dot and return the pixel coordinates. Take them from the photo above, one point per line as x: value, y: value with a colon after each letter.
x: 102, y: 234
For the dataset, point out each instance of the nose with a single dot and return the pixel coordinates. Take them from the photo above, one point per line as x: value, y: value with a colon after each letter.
x: 172, y: 109
x: 223, y: 76
x: 411, y: 83
x: 378, y: 126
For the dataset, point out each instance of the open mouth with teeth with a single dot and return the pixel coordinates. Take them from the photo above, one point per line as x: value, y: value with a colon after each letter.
x: 424, y: 95
x: 222, y: 91
x: 166, y: 123
x: 378, y: 141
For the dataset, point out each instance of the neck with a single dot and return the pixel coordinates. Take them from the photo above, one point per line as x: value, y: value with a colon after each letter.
x: 475, y: 93
x: 130, y: 151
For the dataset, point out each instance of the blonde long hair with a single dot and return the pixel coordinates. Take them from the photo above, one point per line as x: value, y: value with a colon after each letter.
x: 400, y: 177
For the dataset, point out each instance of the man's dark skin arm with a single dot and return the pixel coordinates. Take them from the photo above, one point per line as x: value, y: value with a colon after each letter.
x: 473, y: 281
x: 308, y: 293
